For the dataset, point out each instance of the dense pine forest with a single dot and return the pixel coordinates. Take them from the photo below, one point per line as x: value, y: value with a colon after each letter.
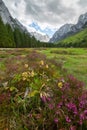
x: 17, y: 38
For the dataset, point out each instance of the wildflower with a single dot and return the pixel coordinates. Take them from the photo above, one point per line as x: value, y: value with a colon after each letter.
x: 73, y: 128
x: 56, y: 120
x: 47, y: 66
x: 85, y: 112
x: 68, y: 119
x: 43, y: 99
x: 60, y: 105
x: 26, y: 65
x: 32, y: 73
x: 42, y: 62
x: 80, y: 122
x: 24, y: 74
x: 44, y: 96
x: 24, y: 79
x: 51, y: 106
x: 72, y: 107
x: 60, y: 84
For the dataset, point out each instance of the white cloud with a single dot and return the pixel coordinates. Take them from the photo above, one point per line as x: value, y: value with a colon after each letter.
x: 47, y: 13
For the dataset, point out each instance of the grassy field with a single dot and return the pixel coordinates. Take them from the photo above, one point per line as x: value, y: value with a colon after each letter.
x: 37, y: 91
x: 73, y: 59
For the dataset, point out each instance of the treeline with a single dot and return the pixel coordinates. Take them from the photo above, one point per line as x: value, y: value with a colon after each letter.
x: 17, y: 38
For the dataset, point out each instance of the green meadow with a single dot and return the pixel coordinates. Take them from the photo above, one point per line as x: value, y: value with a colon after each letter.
x: 74, y: 60
x: 41, y: 89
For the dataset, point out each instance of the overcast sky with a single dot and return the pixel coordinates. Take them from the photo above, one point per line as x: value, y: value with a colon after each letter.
x: 46, y: 16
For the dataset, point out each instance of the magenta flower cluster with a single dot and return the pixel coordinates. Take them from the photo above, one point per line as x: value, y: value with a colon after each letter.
x: 70, y: 107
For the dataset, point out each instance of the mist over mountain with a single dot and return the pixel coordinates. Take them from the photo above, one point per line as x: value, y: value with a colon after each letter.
x: 40, y: 37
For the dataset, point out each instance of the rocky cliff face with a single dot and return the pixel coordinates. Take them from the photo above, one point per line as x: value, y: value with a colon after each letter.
x: 82, y: 21
x: 8, y: 19
x: 14, y: 23
x: 40, y: 37
x: 69, y: 29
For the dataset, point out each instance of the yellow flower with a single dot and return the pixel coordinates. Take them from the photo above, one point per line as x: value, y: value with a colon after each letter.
x: 24, y: 78
x: 47, y: 66
x: 32, y: 73
x: 60, y: 84
x: 44, y: 94
x: 42, y: 62
x: 24, y: 74
x: 26, y: 65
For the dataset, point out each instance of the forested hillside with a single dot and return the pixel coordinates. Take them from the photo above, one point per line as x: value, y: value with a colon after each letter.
x: 77, y: 40
x: 17, y: 38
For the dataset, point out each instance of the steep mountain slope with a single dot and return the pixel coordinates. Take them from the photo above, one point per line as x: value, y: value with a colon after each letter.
x: 8, y: 19
x: 69, y: 29
x: 13, y: 33
x: 77, y: 40
x: 14, y: 23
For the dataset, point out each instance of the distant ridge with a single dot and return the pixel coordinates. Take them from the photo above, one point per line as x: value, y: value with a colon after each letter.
x: 70, y: 29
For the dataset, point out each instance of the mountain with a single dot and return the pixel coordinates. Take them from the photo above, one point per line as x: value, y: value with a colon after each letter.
x: 61, y: 33
x: 77, y: 40
x: 70, y: 29
x: 8, y: 19
x: 14, y: 23
x: 40, y: 37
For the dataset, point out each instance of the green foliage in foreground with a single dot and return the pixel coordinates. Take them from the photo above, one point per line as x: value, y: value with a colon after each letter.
x: 76, y: 40
x: 42, y: 97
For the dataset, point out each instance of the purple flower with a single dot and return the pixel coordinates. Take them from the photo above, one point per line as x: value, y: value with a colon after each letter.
x: 80, y: 122
x: 82, y: 104
x: 85, y: 112
x: 60, y: 105
x: 51, y: 106
x: 68, y: 119
x: 43, y: 99
x: 48, y: 99
x: 73, y: 128
x: 82, y: 116
x: 56, y: 120
x: 71, y: 106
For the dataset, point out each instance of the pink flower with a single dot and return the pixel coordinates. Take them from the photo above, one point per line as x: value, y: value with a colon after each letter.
x: 68, y: 119
x: 56, y: 120
x: 60, y: 105
x: 73, y: 128
x: 51, y: 106
x: 44, y: 99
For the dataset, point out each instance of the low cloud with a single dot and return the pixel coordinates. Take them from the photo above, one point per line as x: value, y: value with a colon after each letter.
x: 82, y: 3
x: 48, y: 14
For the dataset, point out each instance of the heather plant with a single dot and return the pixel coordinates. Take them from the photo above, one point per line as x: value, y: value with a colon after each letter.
x: 40, y: 97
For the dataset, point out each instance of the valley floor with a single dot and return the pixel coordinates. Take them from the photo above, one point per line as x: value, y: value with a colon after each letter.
x: 38, y: 90
x: 72, y: 59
